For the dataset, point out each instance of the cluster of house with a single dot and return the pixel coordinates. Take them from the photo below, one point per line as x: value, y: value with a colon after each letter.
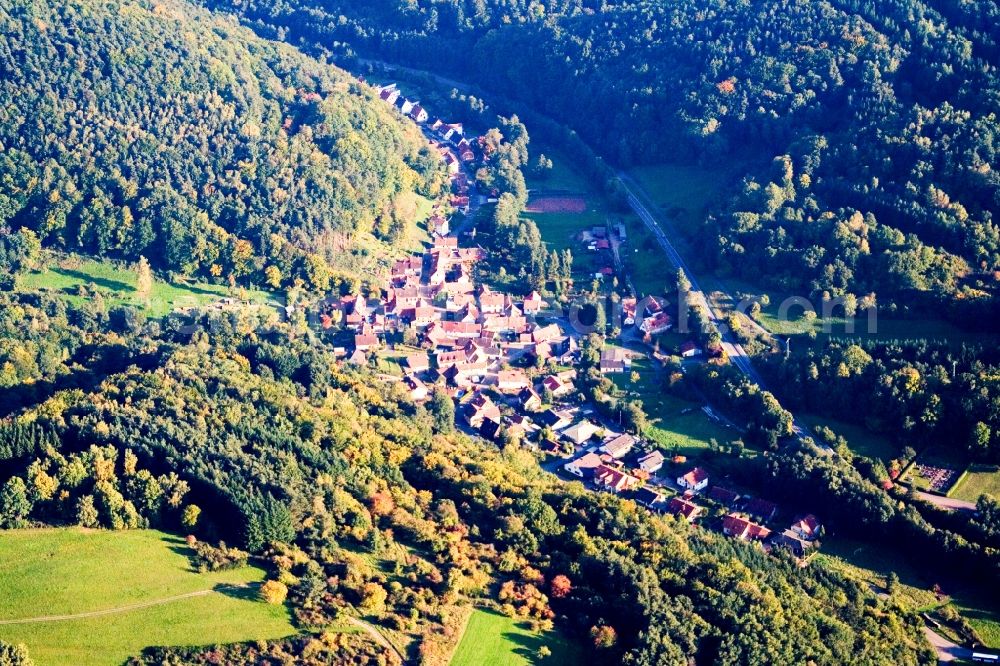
x: 449, y: 140
x: 470, y: 334
x: 745, y: 518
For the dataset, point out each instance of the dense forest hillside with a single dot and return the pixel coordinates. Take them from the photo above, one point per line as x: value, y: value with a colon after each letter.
x: 361, y: 501
x: 156, y: 129
x: 883, y: 116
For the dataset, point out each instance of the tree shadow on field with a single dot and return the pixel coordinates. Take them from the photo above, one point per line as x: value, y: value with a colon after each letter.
x: 527, y: 645
x: 107, y: 283
x: 245, y: 592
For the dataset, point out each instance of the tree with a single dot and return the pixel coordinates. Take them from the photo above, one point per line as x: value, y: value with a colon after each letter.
x: 272, y: 276
x: 190, y: 515
x: 373, y: 597
x: 14, y: 655
x: 442, y: 410
x: 560, y: 586
x: 274, y: 592
x: 603, y: 636
x: 682, y: 283
x: 15, y: 504
x: 86, y: 512
x: 143, y: 280
x: 544, y: 652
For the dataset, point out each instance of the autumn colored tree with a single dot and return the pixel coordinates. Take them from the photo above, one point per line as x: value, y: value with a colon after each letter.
x: 143, y: 280
x: 560, y: 586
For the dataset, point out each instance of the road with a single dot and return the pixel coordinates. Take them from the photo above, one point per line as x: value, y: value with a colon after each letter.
x: 946, y: 650
x: 947, y: 502
x: 641, y: 205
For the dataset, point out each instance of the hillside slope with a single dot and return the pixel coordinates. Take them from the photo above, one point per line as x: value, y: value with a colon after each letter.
x: 887, y: 109
x: 158, y: 129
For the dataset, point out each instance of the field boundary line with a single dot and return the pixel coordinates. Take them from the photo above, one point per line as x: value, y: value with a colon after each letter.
x: 109, y: 611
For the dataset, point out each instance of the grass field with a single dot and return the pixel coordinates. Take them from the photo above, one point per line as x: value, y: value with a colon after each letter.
x: 72, y: 571
x: 682, y: 192
x: 65, y: 276
x: 980, y: 479
x: 678, y: 426
x: 491, y: 639
x: 871, y: 564
x: 861, y: 441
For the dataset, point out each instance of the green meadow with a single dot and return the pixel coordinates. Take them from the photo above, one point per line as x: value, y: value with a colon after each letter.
x: 491, y: 639
x: 126, y: 591
x: 76, y: 278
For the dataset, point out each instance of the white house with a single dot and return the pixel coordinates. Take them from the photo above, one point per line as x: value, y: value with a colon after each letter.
x: 619, y: 446
x: 584, y: 466
x: 695, y: 480
x: 651, y: 462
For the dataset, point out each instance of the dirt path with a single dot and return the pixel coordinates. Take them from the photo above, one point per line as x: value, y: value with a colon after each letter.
x: 108, y: 611
x: 376, y: 636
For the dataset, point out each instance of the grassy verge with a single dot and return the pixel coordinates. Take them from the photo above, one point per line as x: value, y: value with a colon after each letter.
x: 74, y: 571
x: 491, y: 639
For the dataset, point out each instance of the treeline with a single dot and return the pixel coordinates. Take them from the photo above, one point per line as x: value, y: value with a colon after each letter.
x: 237, y: 159
x: 322, y: 470
x: 887, y: 109
x: 916, y: 394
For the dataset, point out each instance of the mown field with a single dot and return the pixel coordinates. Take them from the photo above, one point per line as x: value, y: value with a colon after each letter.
x: 54, y: 572
x: 491, y: 639
x: 67, y: 275
x: 980, y: 480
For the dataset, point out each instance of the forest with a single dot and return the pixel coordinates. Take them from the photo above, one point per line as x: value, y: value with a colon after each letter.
x: 180, y: 136
x: 307, y: 465
x: 916, y: 393
x: 881, y: 117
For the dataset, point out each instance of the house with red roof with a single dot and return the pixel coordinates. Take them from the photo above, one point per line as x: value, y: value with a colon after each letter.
x: 723, y: 496
x: 584, y: 466
x: 365, y: 342
x: 416, y: 388
x: 690, y: 349
x: 760, y: 508
x: 695, y: 480
x: 742, y: 528
x: 480, y: 408
x: 682, y: 507
x: 614, y: 480
x: 512, y: 381
x: 656, y: 324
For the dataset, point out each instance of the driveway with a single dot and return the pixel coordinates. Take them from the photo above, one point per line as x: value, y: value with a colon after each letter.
x: 946, y: 650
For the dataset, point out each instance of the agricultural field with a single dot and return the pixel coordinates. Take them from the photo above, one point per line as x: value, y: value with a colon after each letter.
x: 793, y: 322
x: 131, y: 589
x: 491, y: 639
x: 67, y: 276
x: 979, y: 480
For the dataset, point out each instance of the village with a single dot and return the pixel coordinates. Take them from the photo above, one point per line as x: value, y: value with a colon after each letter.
x: 510, y: 362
